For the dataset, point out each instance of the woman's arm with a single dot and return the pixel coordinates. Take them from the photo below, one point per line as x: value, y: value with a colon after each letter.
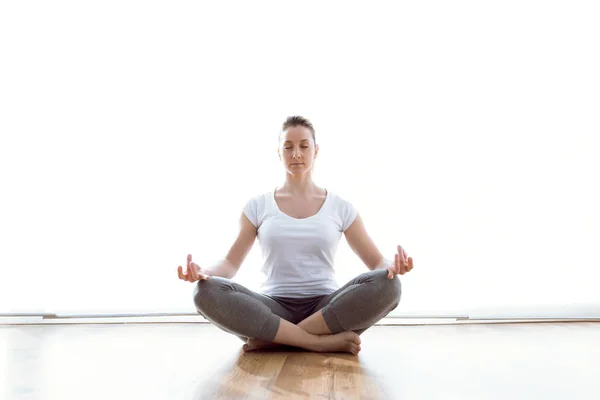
x: 361, y: 243
x: 230, y: 265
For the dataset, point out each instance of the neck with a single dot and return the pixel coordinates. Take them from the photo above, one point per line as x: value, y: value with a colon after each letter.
x: 299, y: 185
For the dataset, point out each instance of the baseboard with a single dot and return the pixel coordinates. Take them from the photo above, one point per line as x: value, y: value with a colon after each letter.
x: 187, y: 319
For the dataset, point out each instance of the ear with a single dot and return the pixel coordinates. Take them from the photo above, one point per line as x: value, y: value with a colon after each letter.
x: 316, y: 150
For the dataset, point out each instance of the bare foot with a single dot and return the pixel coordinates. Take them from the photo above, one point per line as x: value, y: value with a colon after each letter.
x: 346, y: 342
x: 256, y: 344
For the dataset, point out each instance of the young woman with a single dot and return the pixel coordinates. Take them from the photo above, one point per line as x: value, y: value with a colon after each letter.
x: 298, y: 226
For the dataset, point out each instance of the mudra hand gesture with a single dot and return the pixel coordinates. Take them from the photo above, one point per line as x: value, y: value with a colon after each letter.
x: 193, y: 271
x: 401, y: 265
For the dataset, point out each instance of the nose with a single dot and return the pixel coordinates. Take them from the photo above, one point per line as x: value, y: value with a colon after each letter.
x: 296, y: 153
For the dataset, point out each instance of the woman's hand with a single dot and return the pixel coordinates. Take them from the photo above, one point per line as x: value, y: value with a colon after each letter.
x: 402, y: 264
x: 193, y: 271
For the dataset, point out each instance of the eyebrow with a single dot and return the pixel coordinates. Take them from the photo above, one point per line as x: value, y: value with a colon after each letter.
x: 289, y: 141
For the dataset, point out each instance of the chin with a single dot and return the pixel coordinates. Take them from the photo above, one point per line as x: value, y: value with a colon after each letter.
x: 298, y: 170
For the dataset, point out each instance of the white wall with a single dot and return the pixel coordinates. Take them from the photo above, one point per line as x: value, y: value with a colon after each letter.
x: 134, y: 132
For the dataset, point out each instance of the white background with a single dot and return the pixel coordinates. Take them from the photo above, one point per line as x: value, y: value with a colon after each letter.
x: 133, y: 132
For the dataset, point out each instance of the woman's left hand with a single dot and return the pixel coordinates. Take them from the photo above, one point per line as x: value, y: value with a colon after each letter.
x: 402, y: 264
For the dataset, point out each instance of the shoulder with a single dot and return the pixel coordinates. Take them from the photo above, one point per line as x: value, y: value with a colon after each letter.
x: 340, y: 200
x: 260, y: 197
x: 258, y: 201
x: 344, y: 209
x: 255, y: 207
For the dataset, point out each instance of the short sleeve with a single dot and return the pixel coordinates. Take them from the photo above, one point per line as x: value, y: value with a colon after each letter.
x: 348, y: 214
x: 250, y: 209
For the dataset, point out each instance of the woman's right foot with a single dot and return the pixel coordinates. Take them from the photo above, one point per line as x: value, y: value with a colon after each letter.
x: 346, y: 342
x: 256, y: 344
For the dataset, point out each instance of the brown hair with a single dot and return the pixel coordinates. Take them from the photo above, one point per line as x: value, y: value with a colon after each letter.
x: 297, y: 120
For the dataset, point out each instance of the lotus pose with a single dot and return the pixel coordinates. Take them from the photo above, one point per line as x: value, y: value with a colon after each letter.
x: 299, y: 226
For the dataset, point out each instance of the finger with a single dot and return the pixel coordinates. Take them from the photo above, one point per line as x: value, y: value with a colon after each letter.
x: 405, y: 260
x: 403, y: 253
x: 194, y: 271
x: 180, y: 272
x: 390, y: 274
x: 183, y: 275
x: 193, y: 266
x: 401, y: 267
x: 186, y: 277
x: 411, y: 265
x: 188, y: 272
x: 400, y: 259
x: 396, y: 264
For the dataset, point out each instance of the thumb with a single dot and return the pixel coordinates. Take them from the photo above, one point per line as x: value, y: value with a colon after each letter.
x: 390, y: 274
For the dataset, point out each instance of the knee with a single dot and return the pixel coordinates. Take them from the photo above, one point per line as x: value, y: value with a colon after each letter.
x: 205, y: 290
x: 390, y: 289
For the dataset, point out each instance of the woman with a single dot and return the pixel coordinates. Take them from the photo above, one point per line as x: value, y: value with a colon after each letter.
x: 299, y: 226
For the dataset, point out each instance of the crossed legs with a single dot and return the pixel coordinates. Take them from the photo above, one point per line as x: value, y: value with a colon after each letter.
x: 334, y: 325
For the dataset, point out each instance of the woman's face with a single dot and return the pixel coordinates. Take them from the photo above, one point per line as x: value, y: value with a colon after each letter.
x: 297, y: 150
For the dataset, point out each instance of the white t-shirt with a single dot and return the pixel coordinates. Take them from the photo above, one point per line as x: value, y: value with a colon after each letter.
x: 299, y: 253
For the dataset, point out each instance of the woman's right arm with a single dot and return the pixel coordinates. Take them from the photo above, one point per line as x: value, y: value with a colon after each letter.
x: 228, y: 267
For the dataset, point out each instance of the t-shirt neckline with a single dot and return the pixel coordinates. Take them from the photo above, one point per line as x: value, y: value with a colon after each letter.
x: 327, y: 195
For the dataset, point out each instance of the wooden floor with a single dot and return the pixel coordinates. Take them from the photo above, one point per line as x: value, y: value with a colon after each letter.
x: 198, y: 361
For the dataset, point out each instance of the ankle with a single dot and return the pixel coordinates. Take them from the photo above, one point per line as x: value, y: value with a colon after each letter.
x: 320, y: 342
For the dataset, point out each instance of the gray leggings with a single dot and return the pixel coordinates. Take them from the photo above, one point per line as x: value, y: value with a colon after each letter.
x: 356, y: 306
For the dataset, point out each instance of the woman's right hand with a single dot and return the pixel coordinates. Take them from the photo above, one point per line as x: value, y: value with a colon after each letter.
x: 193, y: 271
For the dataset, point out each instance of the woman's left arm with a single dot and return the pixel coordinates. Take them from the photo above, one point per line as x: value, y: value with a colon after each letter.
x: 361, y: 243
